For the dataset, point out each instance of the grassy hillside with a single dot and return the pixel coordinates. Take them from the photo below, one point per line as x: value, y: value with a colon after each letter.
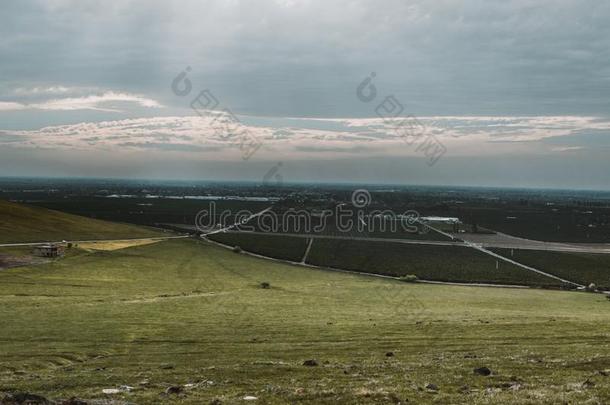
x: 23, y: 223
x: 183, y: 312
x: 583, y: 268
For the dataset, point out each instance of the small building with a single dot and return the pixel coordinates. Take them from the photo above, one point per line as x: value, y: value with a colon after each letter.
x: 444, y: 222
x: 441, y: 220
x: 49, y: 250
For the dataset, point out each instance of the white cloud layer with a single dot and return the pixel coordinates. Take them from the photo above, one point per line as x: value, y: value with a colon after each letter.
x: 11, y: 106
x: 108, y: 101
x: 318, y: 138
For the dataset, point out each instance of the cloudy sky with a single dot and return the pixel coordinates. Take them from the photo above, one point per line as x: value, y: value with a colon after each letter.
x: 474, y: 92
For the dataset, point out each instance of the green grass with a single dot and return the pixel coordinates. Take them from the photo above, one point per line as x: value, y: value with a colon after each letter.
x: 181, y: 311
x: 280, y: 247
x: 16, y: 250
x: 427, y: 262
x: 583, y: 268
x: 23, y: 223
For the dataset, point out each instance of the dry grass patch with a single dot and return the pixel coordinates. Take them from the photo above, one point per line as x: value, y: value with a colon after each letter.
x: 115, y: 245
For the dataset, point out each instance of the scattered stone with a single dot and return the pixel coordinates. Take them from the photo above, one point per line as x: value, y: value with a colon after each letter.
x: 588, y: 384
x: 515, y: 386
x: 605, y: 373
x: 389, y: 354
x: 166, y: 367
x: 574, y: 387
x: 122, y: 388
x: 310, y: 363
x: 250, y: 398
x: 265, y: 285
x: 470, y: 356
x: 174, y: 390
x: 484, y: 371
x: 144, y: 382
x: 464, y: 389
x: 432, y: 387
x: 25, y: 398
x: 216, y: 401
x: 393, y: 398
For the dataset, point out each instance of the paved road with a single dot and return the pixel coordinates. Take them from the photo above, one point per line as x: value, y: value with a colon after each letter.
x: 502, y: 240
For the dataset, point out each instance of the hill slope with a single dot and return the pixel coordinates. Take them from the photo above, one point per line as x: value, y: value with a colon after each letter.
x: 183, y: 312
x: 23, y: 223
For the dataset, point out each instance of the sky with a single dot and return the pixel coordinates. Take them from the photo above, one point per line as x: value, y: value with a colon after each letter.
x: 475, y: 92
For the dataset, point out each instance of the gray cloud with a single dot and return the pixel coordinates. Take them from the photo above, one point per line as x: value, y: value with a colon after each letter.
x: 305, y: 58
x: 493, y: 79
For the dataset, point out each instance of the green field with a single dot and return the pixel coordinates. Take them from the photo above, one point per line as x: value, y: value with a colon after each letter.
x: 427, y: 262
x: 439, y: 263
x: 547, y: 223
x: 23, y: 223
x: 583, y: 268
x: 184, y: 312
x: 280, y: 247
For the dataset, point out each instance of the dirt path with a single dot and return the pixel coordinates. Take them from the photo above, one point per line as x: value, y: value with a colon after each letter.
x: 93, y: 241
x: 481, y: 249
x: 244, y: 221
x: 306, y: 255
